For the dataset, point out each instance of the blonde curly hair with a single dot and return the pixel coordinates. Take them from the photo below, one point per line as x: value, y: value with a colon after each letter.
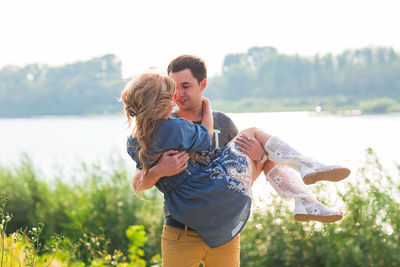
x: 146, y: 100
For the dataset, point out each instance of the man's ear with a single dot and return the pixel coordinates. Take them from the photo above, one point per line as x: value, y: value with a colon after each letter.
x: 203, y: 84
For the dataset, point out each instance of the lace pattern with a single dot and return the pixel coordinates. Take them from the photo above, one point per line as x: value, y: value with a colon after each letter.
x: 318, y: 209
x: 236, y: 168
x: 280, y: 152
x: 289, y: 185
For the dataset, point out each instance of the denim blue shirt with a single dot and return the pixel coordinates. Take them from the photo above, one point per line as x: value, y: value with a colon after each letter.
x: 213, y: 199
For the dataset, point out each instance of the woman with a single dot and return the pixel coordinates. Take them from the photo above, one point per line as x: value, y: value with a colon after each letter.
x: 213, y: 195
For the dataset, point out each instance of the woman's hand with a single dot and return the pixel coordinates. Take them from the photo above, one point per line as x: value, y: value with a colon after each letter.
x: 207, y: 120
x: 206, y: 105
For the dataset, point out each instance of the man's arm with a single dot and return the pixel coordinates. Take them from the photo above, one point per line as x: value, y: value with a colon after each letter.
x: 171, y: 163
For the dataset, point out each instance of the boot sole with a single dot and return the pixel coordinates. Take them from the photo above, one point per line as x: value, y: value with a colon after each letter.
x: 334, y: 175
x: 323, y: 219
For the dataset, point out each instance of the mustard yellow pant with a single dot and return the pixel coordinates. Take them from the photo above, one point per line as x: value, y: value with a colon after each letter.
x: 185, y: 248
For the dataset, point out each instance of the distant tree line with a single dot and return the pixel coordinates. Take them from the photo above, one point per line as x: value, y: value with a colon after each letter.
x: 259, y: 80
x: 88, y: 87
x: 355, y: 78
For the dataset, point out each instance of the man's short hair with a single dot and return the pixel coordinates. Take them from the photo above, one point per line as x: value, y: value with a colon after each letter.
x: 196, y: 65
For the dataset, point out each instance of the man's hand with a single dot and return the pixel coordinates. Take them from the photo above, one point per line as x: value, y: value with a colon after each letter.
x: 250, y: 146
x: 172, y: 162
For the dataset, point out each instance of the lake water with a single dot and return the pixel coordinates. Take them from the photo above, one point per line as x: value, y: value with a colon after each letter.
x: 64, y: 142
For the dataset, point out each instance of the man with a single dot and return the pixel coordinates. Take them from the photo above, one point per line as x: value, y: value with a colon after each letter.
x: 182, y: 246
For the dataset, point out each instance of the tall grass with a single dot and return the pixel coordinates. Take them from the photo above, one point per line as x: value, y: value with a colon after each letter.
x: 368, y: 235
x: 98, y: 206
x: 96, y: 211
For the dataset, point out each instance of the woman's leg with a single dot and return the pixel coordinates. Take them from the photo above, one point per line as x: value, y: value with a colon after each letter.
x: 281, y: 153
x: 289, y: 185
x: 246, y: 145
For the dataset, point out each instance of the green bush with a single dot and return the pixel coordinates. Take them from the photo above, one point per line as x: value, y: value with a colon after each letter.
x: 97, y: 202
x: 96, y: 209
x: 368, y: 235
x: 379, y: 105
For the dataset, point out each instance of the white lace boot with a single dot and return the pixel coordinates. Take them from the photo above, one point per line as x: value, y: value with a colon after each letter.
x: 310, y: 170
x: 289, y: 185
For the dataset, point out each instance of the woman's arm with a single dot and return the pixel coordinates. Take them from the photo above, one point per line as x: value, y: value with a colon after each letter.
x: 171, y: 163
x: 178, y: 134
x: 208, y: 120
x: 147, y: 182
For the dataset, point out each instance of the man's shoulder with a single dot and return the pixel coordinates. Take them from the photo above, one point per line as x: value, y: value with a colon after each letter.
x: 226, y: 129
x: 220, y: 115
x: 222, y: 119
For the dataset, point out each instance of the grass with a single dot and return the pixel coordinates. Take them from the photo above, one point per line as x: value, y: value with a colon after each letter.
x: 99, y: 221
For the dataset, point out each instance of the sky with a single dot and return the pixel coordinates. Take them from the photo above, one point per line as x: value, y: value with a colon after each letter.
x: 149, y: 33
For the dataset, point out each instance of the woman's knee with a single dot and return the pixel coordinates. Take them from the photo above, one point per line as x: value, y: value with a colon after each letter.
x: 268, y: 165
x: 250, y: 131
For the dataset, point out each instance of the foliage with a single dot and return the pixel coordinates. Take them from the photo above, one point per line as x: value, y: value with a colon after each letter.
x: 5, y: 218
x: 24, y: 244
x: 293, y: 82
x: 367, y: 236
x: 262, y: 76
x: 97, y: 208
x: 87, y: 87
x: 332, y: 104
x: 380, y: 105
x: 137, y: 237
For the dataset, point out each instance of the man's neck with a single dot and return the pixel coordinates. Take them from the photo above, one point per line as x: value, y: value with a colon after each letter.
x: 190, y: 115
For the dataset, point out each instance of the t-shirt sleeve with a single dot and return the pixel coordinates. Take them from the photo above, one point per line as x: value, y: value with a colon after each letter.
x: 226, y: 127
x: 181, y: 135
x: 233, y: 131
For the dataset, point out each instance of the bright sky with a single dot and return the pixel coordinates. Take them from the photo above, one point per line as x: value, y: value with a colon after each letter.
x: 149, y: 33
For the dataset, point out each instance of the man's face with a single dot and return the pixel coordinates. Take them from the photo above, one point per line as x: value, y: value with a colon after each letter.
x: 188, y: 92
